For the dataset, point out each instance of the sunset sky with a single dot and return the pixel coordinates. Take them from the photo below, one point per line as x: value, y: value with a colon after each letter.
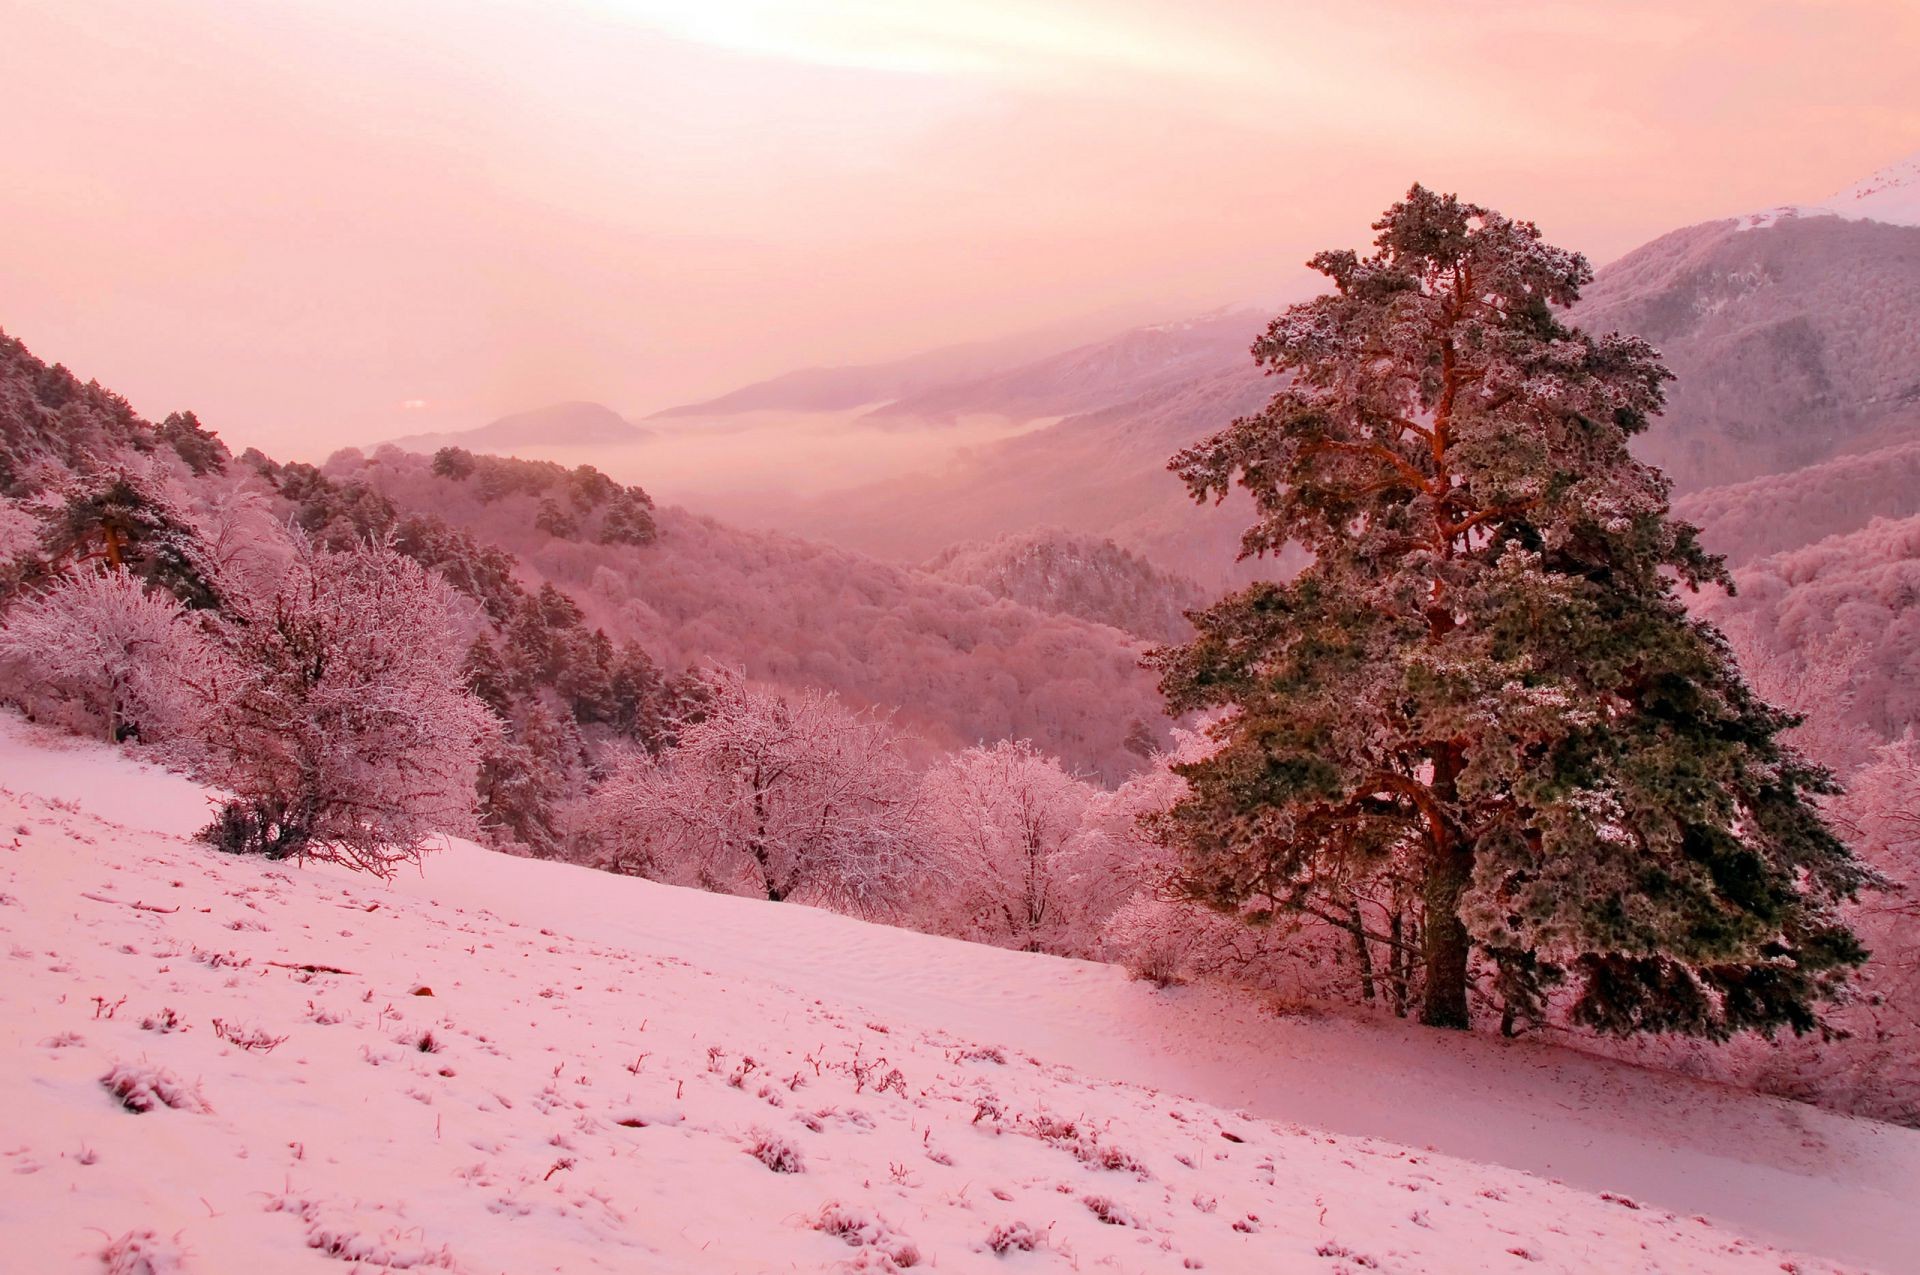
x: 321, y: 224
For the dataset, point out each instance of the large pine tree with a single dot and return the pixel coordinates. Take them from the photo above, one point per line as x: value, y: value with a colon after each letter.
x: 1485, y: 694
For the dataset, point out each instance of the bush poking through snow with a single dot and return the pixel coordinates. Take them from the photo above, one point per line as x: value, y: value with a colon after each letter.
x: 247, y: 1038
x: 1108, y: 1210
x: 1013, y: 1237
x: 142, y: 1088
x: 775, y: 1152
x: 336, y: 1231
x: 859, y: 1230
x: 142, y: 1253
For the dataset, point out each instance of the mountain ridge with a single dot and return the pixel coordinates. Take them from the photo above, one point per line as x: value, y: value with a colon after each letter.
x: 574, y: 423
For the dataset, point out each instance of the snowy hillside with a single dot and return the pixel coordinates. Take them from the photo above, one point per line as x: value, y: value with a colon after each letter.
x: 1891, y: 195
x: 222, y: 1064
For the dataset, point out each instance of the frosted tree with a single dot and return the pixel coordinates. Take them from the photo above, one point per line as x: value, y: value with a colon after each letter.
x: 1003, y: 819
x: 348, y: 734
x: 1128, y: 881
x: 245, y: 546
x: 783, y: 795
x: 125, y: 658
x: 1484, y: 687
x: 1879, y: 1065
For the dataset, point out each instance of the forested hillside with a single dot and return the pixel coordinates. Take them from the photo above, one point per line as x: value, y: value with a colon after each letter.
x: 1792, y: 342
x: 1079, y: 575
x: 1845, y: 613
x: 958, y: 666
x: 1766, y: 515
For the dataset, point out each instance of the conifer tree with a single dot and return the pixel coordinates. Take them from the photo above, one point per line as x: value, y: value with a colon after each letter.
x: 129, y: 523
x: 1485, y: 685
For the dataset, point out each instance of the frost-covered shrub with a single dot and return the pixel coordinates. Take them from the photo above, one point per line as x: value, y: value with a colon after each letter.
x: 774, y: 794
x: 347, y: 733
x: 774, y: 1151
x: 142, y: 1087
x: 1002, y: 820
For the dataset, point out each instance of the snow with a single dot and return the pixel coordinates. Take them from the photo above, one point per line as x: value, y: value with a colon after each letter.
x: 576, y: 1094
x: 1891, y: 195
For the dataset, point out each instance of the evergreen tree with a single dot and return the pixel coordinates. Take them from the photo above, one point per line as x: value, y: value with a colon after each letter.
x: 199, y: 447
x: 129, y: 524
x: 1485, y: 685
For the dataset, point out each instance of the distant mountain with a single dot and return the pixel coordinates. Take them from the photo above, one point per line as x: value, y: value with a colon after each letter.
x: 838, y: 389
x: 1079, y: 575
x: 1794, y: 341
x: 576, y: 424
x: 1094, y: 376
x: 1100, y: 473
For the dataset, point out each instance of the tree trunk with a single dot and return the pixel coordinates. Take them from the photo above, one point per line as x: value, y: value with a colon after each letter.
x: 1399, y: 961
x: 1444, y: 942
x: 757, y: 844
x: 1362, y: 955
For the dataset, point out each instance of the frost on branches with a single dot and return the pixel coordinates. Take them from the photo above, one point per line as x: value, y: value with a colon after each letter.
x: 1003, y: 820
x: 1483, y: 696
x: 347, y: 733
x: 99, y: 649
x: 785, y: 795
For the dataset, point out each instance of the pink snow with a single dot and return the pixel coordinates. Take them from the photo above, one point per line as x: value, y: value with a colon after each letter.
x: 611, y: 1074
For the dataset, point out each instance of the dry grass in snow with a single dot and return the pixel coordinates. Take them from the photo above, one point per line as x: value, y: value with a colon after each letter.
x: 226, y: 1065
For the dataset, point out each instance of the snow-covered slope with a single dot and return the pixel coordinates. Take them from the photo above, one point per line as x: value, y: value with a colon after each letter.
x: 1891, y: 195
x: 608, y: 1073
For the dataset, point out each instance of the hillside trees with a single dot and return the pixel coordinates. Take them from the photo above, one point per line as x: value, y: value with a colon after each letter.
x: 566, y: 694
x: 780, y: 795
x: 126, y: 519
x: 1484, y: 685
x: 1080, y: 575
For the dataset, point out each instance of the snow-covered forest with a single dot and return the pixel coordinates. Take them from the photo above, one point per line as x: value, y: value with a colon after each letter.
x: 1417, y: 774
x: 393, y: 648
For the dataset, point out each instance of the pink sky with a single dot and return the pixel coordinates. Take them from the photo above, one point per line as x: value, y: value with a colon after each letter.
x: 299, y: 218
